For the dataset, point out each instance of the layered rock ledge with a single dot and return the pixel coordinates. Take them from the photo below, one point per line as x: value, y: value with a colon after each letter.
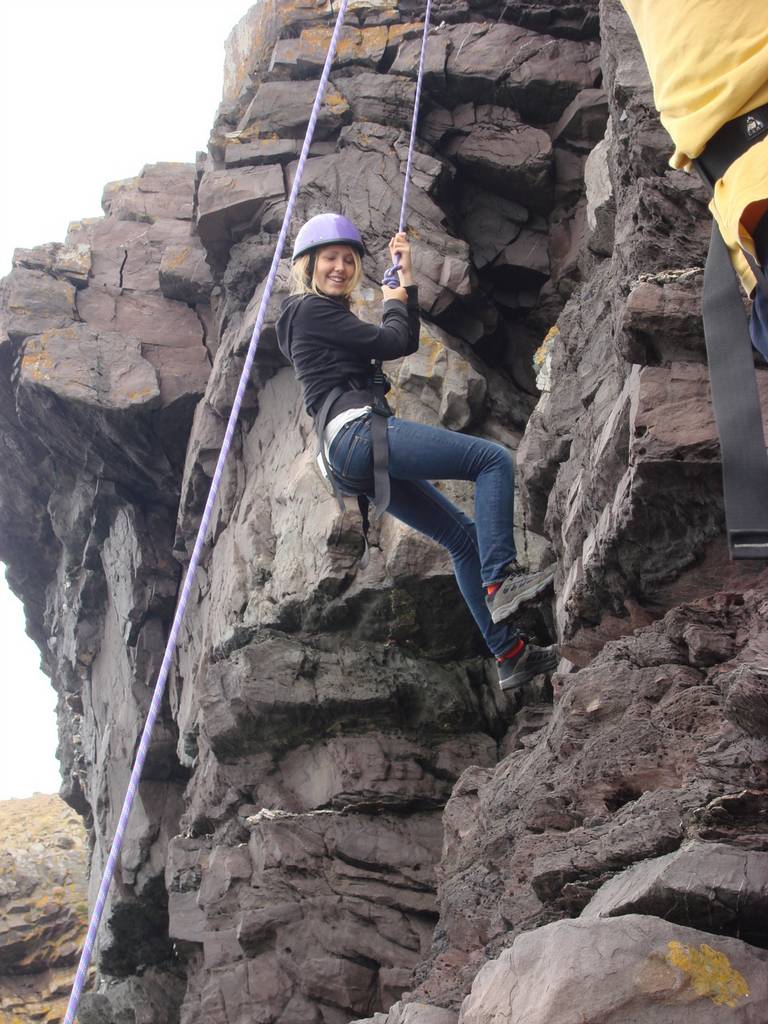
x: 43, y: 907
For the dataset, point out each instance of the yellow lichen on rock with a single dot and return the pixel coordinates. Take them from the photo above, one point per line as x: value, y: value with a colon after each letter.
x: 336, y: 103
x: 710, y: 973
x: 177, y: 260
x: 432, y: 349
x: 397, y: 33
x: 140, y: 395
x: 542, y: 359
x: 36, y: 362
x: 545, y: 347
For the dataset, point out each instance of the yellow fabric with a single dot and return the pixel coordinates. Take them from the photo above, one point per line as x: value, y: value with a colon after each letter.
x: 708, y: 61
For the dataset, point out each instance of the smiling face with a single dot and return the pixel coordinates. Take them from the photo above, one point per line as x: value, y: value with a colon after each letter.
x: 336, y: 270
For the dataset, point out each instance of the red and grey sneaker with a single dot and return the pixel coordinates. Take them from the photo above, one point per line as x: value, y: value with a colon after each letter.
x: 517, y: 587
x: 515, y: 670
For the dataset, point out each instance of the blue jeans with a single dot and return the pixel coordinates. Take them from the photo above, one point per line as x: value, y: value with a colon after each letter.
x: 481, y: 551
x: 758, y: 322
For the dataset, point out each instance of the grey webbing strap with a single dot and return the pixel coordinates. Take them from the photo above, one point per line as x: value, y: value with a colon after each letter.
x: 380, y: 445
x: 380, y: 440
x: 736, y: 403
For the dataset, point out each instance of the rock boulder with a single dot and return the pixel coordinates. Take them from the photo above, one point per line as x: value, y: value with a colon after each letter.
x: 630, y: 968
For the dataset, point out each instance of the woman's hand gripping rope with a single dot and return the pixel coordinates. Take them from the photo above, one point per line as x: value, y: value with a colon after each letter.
x: 400, y: 275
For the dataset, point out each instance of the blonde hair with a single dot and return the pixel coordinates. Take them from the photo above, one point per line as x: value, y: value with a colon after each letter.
x: 300, y: 278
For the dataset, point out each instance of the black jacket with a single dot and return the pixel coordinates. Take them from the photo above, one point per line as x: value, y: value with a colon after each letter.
x: 330, y: 347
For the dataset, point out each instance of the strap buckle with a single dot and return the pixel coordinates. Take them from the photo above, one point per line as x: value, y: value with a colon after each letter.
x: 748, y: 543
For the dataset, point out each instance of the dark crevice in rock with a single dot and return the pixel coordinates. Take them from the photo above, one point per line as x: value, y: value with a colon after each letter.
x: 121, y: 269
x: 77, y: 317
x: 139, y: 933
x: 621, y: 796
x: 204, y: 329
x: 362, y: 803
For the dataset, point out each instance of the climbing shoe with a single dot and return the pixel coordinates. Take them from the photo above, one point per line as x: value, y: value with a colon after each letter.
x: 517, y: 587
x: 517, y: 670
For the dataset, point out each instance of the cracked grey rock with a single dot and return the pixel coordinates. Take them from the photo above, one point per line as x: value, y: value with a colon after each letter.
x: 383, y: 99
x: 184, y: 274
x: 36, y: 302
x: 499, y: 151
x: 263, y: 151
x: 77, y: 364
x: 124, y: 253
x: 490, y: 223
x: 72, y: 262
x: 438, y: 379
x: 153, y: 998
x: 570, y: 21
x: 746, y: 702
x: 305, y: 56
x: 163, y: 190
x: 367, y: 910
x: 236, y: 198
x: 582, y: 123
x: 412, y: 1013
x: 536, y: 75
x: 281, y: 108
x: 709, y: 886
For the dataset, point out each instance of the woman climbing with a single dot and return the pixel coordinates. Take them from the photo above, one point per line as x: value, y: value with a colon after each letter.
x: 332, y: 352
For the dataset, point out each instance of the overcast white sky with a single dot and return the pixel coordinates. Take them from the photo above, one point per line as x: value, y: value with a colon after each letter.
x: 90, y: 91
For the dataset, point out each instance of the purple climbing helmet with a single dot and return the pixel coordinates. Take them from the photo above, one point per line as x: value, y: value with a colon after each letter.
x: 327, y: 229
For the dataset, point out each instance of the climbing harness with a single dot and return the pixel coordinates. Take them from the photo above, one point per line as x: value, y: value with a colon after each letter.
x: 735, y: 396
x: 380, y: 412
x: 340, y: 399
x: 157, y: 697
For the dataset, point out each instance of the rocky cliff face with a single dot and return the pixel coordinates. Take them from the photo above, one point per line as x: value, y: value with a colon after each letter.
x: 341, y: 815
x: 43, y: 907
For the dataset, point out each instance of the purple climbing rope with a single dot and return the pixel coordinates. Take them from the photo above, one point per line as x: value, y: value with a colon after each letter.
x: 390, y: 277
x: 157, y: 697
x: 414, y: 121
x: 154, y: 709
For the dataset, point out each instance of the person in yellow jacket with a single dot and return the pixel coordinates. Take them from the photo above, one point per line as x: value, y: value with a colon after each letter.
x: 708, y: 61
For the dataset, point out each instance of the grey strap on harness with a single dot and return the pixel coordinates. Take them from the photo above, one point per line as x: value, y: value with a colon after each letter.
x: 735, y: 397
x: 380, y: 441
x: 736, y: 404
